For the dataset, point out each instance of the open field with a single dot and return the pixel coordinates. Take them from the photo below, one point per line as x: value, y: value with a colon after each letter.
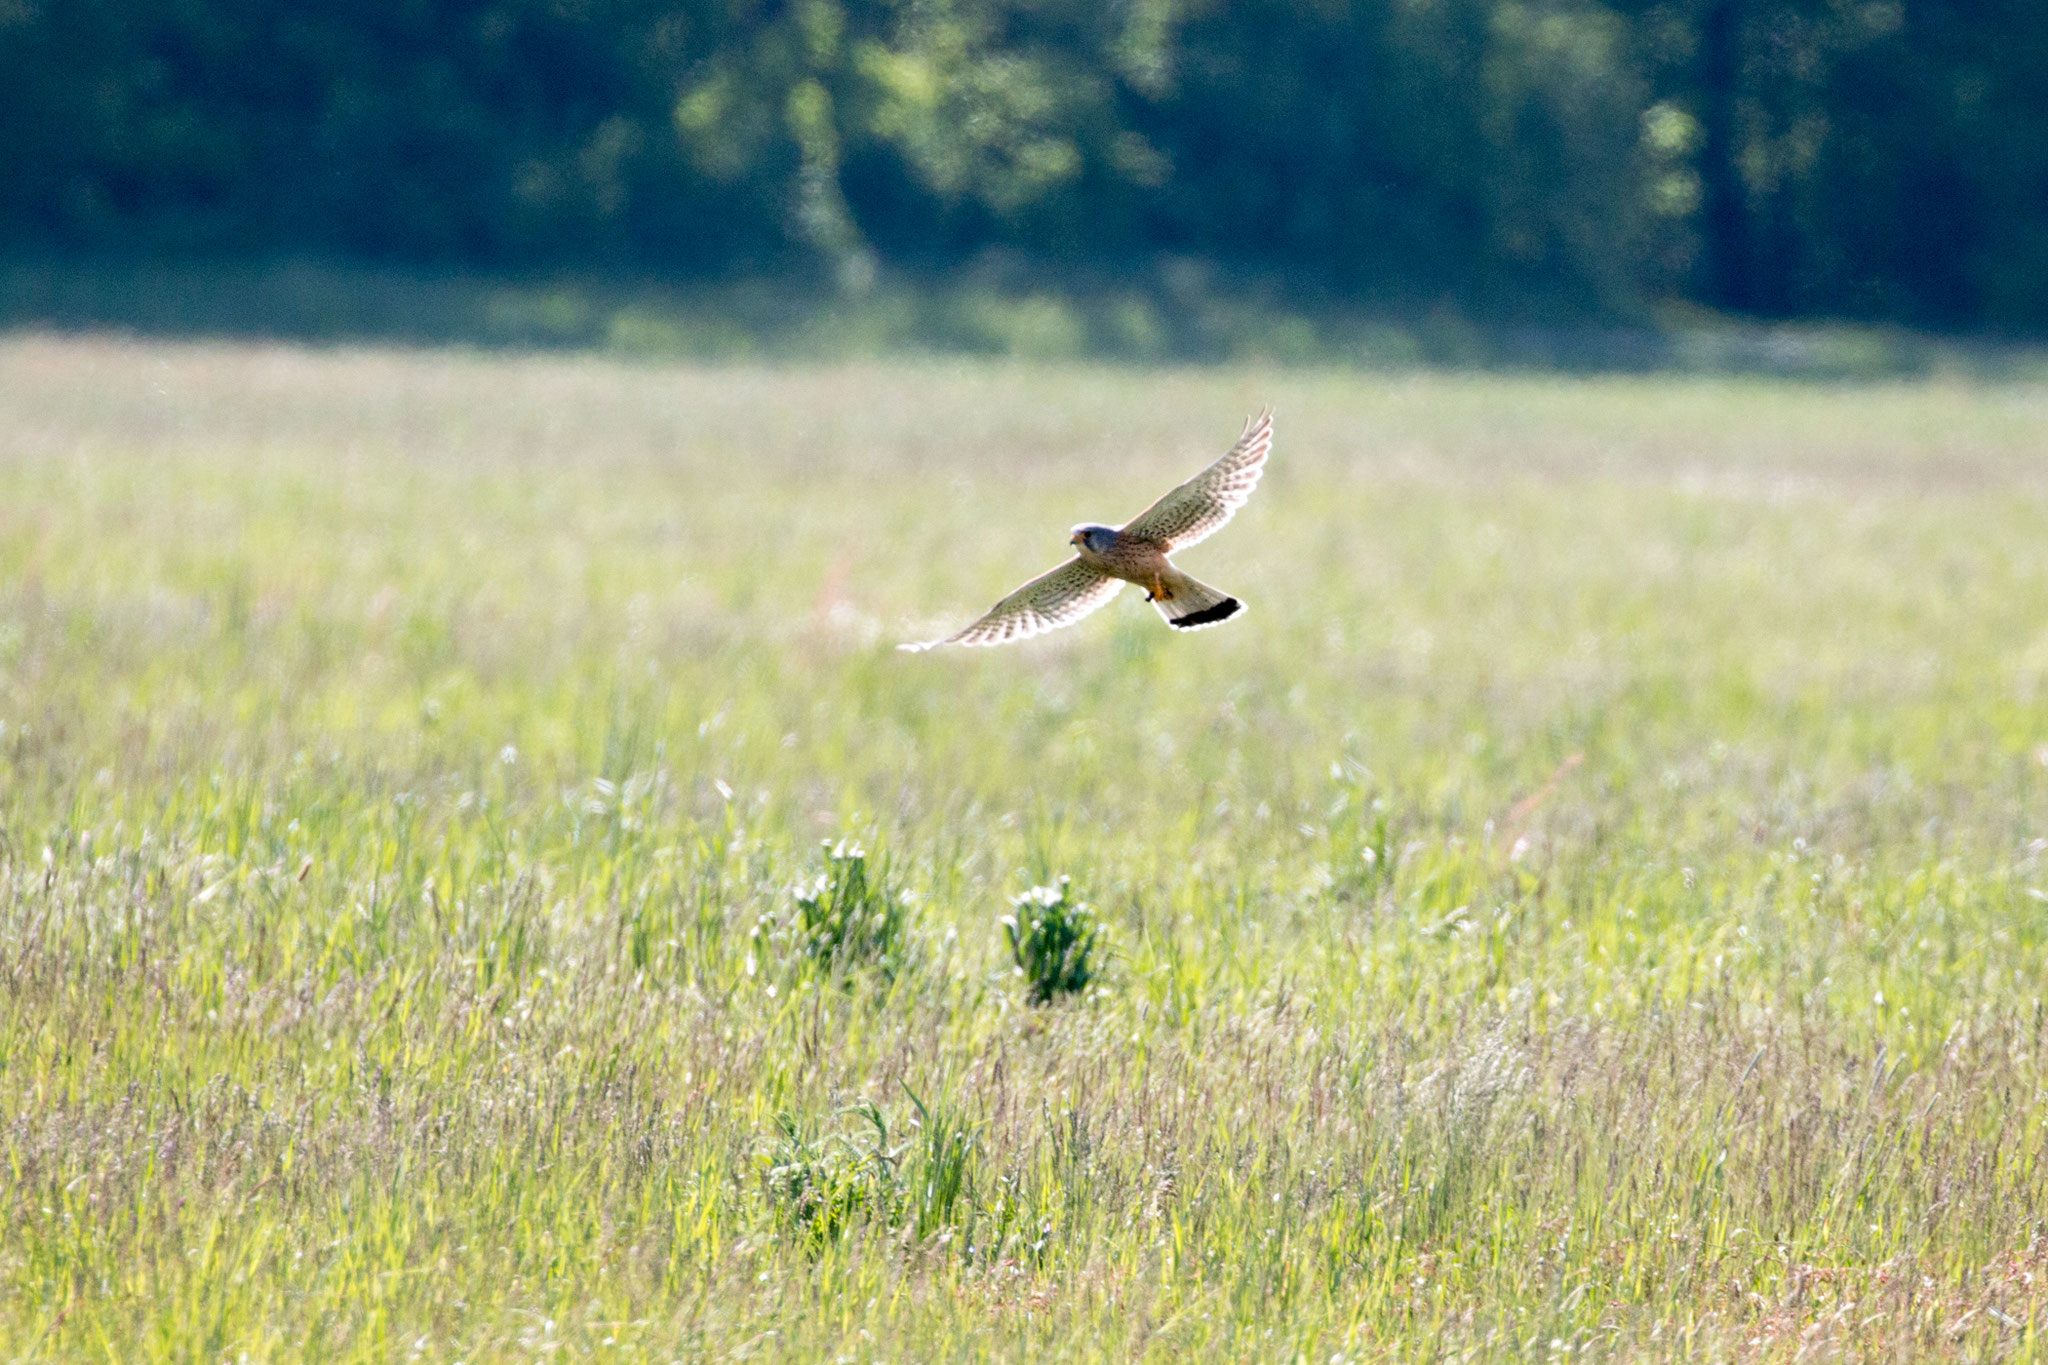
x: 1594, y: 903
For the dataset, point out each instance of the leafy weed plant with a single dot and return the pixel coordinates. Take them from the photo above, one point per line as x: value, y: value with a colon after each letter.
x: 822, y: 1186
x: 848, y: 916
x: 939, y: 1181
x: 1053, y: 938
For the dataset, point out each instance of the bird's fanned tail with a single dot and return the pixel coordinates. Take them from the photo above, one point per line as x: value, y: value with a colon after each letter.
x: 1188, y: 603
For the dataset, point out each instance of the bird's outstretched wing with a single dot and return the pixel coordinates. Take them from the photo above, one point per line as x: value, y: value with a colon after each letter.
x: 1198, y: 508
x: 1047, y: 602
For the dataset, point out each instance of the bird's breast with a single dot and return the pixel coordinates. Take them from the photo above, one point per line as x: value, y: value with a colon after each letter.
x: 1127, y: 557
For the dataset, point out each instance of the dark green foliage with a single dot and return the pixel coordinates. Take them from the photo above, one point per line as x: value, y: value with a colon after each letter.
x: 945, y: 1159
x: 1885, y: 159
x: 1052, y: 939
x: 849, y: 916
x: 821, y: 1187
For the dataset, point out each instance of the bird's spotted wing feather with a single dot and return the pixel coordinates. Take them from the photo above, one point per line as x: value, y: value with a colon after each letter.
x: 1199, y: 508
x: 1047, y: 602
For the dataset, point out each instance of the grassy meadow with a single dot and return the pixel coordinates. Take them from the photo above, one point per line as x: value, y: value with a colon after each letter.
x: 1593, y: 904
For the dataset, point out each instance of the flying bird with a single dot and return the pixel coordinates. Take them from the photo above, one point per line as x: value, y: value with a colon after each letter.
x: 1107, y: 557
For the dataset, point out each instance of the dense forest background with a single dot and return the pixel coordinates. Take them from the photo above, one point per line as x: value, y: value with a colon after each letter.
x: 1864, y: 159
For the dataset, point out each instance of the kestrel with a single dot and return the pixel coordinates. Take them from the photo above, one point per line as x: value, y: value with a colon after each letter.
x: 1107, y: 557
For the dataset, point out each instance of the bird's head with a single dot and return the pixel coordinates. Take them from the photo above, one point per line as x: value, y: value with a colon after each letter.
x: 1095, y: 539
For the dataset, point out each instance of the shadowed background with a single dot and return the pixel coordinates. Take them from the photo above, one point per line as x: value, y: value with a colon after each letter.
x: 1557, y: 161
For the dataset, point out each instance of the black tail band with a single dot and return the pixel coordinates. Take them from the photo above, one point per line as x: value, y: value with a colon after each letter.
x: 1208, y: 616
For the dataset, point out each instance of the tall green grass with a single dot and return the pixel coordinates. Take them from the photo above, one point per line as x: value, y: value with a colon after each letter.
x: 1592, y: 903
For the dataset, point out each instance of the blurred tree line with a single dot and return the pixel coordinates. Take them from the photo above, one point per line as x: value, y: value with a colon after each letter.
x: 1860, y: 158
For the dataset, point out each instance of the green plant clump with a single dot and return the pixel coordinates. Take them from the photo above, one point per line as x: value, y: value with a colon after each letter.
x: 1052, y: 940
x: 944, y: 1167
x: 848, y: 916
x: 821, y: 1187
